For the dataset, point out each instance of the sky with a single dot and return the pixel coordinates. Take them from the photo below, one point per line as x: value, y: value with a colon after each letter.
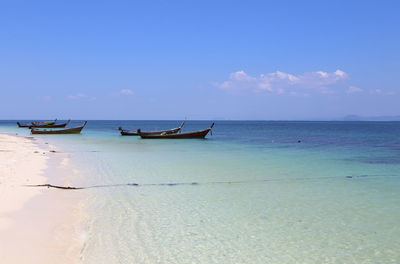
x: 245, y: 60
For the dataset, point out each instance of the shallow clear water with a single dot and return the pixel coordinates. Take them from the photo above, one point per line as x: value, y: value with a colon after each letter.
x: 260, y: 196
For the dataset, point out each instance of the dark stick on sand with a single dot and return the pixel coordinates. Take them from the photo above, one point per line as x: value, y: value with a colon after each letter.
x: 55, y: 186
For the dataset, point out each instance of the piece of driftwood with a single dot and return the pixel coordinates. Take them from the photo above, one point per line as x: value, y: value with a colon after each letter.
x: 55, y: 186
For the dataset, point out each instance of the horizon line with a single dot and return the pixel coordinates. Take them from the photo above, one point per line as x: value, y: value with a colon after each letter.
x: 254, y: 120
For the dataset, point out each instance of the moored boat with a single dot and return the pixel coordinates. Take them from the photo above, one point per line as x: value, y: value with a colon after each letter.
x: 49, y: 125
x: 159, y: 132
x: 45, y: 122
x: 23, y: 125
x: 71, y: 130
x: 184, y: 135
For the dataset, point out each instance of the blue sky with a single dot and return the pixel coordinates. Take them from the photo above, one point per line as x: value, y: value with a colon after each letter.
x: 199, y: 59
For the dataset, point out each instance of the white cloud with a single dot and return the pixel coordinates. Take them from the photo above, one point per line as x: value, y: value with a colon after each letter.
x: 81, y: 96
x: 44, y: 98
x: 284, y: 83
x: 379, y: 91
x: 126, y: 91
x: 77, y: 96
x: 354, y: 89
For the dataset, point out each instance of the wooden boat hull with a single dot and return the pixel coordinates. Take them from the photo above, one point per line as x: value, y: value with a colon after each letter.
x: 135, y: 133
x: 23, y: 125
x: 128, y: 133
x: 72, y: 130
x: 51, y: 126
x: 185, y: 135
x: 44, y: 123
x: 194, y: 134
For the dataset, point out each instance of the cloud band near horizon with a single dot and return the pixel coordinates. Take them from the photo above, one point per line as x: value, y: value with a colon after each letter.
x: 285, y: 83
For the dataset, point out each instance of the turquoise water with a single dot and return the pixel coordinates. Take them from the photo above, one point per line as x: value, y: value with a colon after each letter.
x: 260, y: 196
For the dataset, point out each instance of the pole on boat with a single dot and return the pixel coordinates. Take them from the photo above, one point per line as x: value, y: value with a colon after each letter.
x: 211, y: 128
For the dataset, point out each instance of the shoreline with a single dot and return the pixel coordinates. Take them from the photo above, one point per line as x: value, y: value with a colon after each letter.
x: 37, y: 225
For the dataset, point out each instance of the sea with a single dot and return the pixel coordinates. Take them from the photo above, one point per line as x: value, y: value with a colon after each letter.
x: 251, y: 192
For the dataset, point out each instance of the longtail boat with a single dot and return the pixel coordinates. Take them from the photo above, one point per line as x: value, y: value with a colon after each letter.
x: 49, y: 126
x: 192, y: 134
x: 45, y: 122
x: 37, y: 123
x: 71, y: 130
x: 42, y: 124
x: 159, y: 132
x: 23, y: 125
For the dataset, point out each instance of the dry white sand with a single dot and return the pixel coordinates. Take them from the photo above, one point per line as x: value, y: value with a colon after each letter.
x: 37, y: 225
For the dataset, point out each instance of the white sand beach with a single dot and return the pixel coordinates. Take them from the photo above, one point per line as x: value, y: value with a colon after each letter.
x: 37, y: 225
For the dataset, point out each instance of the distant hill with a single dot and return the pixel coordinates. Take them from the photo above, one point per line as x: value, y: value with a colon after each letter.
x: 371, y: 118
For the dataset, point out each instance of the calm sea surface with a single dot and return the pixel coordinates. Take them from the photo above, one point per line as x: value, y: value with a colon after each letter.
x: 250, y: 193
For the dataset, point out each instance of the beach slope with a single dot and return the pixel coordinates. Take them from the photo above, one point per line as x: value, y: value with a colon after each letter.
x: 37, y: 225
